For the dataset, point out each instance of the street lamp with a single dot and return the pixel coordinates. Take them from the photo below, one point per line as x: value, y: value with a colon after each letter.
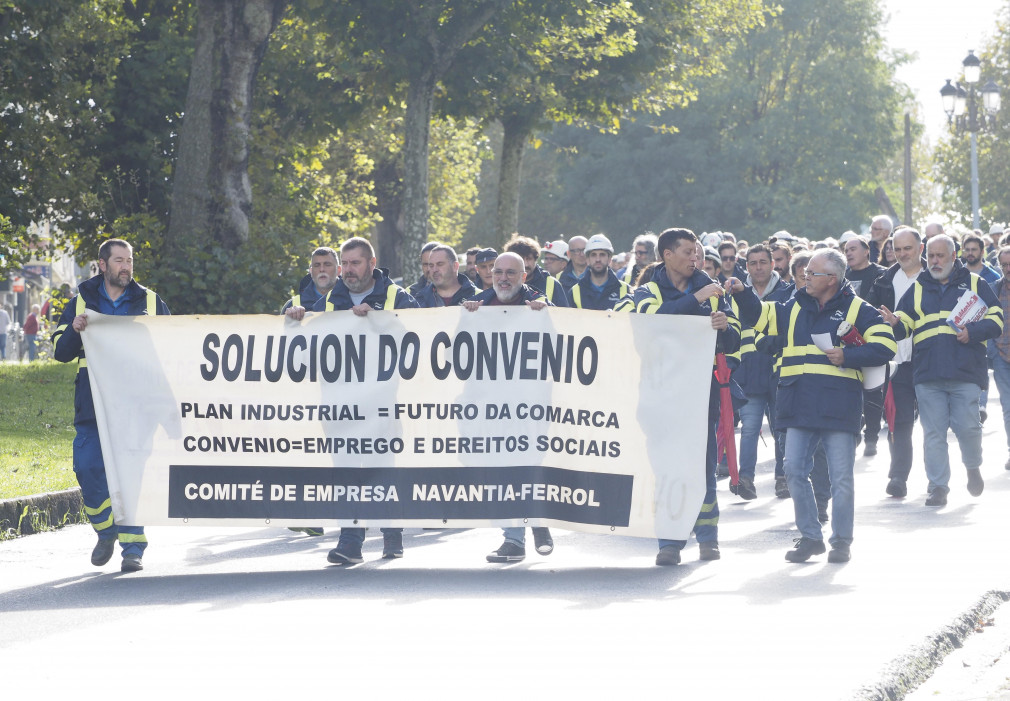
x: 963, y: 114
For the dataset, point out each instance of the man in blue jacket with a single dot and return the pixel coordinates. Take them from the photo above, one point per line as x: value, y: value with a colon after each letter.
x: 820, y: 394
x: 600, y: 288
x: 361, y: 288
x: 678, y: 286
x: 113, y: 291
x: 949, y: 366
x: 536, y: 277
x: 448, y: 287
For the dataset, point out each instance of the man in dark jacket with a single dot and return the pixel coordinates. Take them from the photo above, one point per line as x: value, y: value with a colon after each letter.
x: 949, y: 366
x: 999, y: 349
x: 600, y: 287
x: 884, y: 295
x: 113, y: 291
x: 820, y: 394
x: 536, y: 277
x: 678, y: 286
x: 449, y: 287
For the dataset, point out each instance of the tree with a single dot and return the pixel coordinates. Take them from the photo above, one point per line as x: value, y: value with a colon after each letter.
x: 953, y: 173
x: 790, y: 135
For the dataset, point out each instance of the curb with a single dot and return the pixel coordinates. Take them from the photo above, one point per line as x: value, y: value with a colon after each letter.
x: 31, y: 514
x: 905, y: 673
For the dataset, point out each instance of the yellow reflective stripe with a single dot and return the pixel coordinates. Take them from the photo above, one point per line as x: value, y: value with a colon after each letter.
x: 650, y: 305
x: 82, y: 363
x: 390, y: 297
x: 881, y: 333
x: 767, y: 321
x: 707, y: 521
x: 625, y: 288
x: 802, y: 351
x: 938, y: 330
x: 928, y: 318
x: 707, y: 507
x: 79, y: 308
x: 132, y: 538
x: 625, y: 305
x: 94, y: 512
x: 627, y: 274
x: 107, y: 523
x: 793, y: 315
x: 577, y: 296
x: 917, y: 300
x: 815, y: 369
x: 329, y: 304
x: 60, y: 329
x: 296, y: 301
x: 152, y: 303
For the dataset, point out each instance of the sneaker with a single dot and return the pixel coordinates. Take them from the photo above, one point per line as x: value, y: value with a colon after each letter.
x: 709, y: 551
x: 975, y: 483
x: 508, y: 552
x: 345, y: 554
x: 822, y: 513
x: 308, y: 530
x: 542, y: 541
x: 938, y: 497
x: 870, y: 449
x: 132, y: 563
x: 745, y: 489
x: 782, y: 488
x: 840, y: 552
x: 668, y: 556
x: 103, y: 551
x: 392, y: 545
x: 804, y: 548
x: 896, y: 488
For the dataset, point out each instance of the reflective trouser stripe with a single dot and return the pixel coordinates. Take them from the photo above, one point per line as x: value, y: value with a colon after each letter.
x: 132, y: 537
x: 95, y: 511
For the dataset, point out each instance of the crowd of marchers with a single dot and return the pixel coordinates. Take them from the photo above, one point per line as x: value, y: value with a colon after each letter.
x: 827, y: 342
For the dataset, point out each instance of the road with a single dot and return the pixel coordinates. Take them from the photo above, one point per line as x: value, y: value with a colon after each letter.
x: 259, y: 612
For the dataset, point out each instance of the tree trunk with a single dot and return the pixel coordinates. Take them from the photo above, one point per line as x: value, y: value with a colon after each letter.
x: 211, y: 195
x: 389, y: 204
x: 516, y: 132
x: 416, y: 125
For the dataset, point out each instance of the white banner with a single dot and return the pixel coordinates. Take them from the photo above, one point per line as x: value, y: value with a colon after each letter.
x: 592, y: 421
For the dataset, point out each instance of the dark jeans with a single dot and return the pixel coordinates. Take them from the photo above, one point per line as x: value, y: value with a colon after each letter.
x: 873, y: 410
x: 903, y: 392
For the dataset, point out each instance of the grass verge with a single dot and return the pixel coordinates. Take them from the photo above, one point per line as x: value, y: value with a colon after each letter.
x: 36, y: 428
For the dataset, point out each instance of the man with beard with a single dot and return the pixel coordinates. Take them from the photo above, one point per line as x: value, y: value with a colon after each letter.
x: 536, y: 277
x: 509, y: 274
x: 361, y: 288
x: 471, y: 264
x: 425, y: 268
x: 782, y: 254
x: 601, y: 289
x: 449, y: 287
x: 113, y: 291
x: 880, y: 231
x: 320, y: 280
x: 972, y: 253
x: 948, y: 362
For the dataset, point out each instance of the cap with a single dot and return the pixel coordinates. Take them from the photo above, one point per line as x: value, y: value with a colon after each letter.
x: 995, y: 229
x: 599, y: 242
x: 713, y: 255
x: 712, y: 239
x: 847, y: 236
x: 557, y: 248
x: 484, y: 255
x: 783, y: 236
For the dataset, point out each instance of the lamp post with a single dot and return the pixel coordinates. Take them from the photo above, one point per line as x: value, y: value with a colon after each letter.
x: 963, y: 114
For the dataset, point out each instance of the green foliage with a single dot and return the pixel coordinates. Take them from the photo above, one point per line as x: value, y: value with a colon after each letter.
x: 790, y: 135
x: 952, y: 155
x: 36, y: 428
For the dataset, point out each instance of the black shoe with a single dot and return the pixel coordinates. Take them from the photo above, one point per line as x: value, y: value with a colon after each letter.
x: 870, y: 449
x: 722, y: 470
x: 392, y: 545
x: 668, y: 555
x: 822, y: 513
x: 132, y: 563
x: 840, y: 552
x: 708, y: 551
x: 542, y: 541
x: 508, y: 552
x: 345, y: 554
x: 307, y: 530
x: 938, y: 497
x: 975, y: 483
x: 103, y: 551
x: 896, y: 488
x: 782, y: 488
x: 805, y: 547
x: 745, y: 489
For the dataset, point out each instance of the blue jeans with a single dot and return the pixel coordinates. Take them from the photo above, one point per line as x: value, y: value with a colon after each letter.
x: 30, y: 341
x: 947, y: 404
x: 840, y: 450
x: 1001, y: 373
x: 356, y: 536
x: 752, y: 415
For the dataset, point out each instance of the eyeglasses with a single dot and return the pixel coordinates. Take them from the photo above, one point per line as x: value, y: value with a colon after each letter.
x: 727, y: 258
x: 807, y: 273
x: 505, y: 273
x: 641, y: 253
x: 576, y: 250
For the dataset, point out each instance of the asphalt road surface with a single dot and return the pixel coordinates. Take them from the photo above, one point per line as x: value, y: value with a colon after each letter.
x: 259, y: 613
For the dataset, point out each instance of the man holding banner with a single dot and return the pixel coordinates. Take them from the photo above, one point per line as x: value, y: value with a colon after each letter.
x: 113, y: 292
x: 678, y: 286
x: 361, y: 288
